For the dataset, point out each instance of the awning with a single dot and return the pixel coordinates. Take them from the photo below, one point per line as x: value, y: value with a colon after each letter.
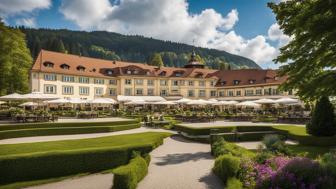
x: 122, y: 98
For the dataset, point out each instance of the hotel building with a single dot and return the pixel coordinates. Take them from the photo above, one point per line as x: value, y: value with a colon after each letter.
x: 76, y: 76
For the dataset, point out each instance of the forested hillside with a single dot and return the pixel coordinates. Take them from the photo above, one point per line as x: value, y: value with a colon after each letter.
x: 115, y: 46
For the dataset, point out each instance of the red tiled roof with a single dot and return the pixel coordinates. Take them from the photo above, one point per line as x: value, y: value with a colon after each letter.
x: 97, y: 68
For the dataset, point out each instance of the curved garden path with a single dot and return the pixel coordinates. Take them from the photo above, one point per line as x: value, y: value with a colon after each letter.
x: 181, y: 164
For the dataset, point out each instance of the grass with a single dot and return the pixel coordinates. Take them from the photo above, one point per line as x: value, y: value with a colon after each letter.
x: 81, y: 144
x: 310, y: 151
x: 295, y: 130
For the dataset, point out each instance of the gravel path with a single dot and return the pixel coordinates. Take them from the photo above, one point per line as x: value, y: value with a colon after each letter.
x: 77, y: 136
x: 181, y: 164
x: 232, y: 123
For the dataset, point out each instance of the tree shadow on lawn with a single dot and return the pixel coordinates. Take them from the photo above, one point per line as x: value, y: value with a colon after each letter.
x: 183, y: 157
x: 212, y: 181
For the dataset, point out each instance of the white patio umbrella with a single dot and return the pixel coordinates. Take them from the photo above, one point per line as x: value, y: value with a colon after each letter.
x: 232, y: 102
x: 30, y: 104
x: 38, y: 96
x: 102, y: 101
x: 136, y: 102
x: 199, y: 102
x: 183, y: 101
x: 166, y: 103
x: 287, y: 100
x: 14, y: 96
x: 58, y: 101
x: 2, y: 102
x: 222, y: 103
x: 213, y: 100
x: 265, y: 101
x: 78, y: 101
x: 248, y: 104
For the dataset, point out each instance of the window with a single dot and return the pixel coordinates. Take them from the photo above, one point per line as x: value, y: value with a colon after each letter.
x: 66, y: 78
x: 175, y: 91
x: 181, y: 82
x: 81, y: 68
x: 65, y: 66
x: 50, y: 89
x: 191, y: 83
x: 212, y: 93
x: 128, y: 81
x: 221, y: 93
x: 128, y: 92
x: 201, y: 93
x: 99, y: 81
x: 112, y: 92
x: 222, y: 83
x: 67, y: 90
x: 268, y: 91
x: 84, y: 80
x: 113, y: 82
x: 50, y: 77
x: 150, y: 92
x: 175, y: 83
x: 163, y: 92
x: 275, y: 92
x: 163, y: 82
x: 163, y: 73
x: 212, y: 83
x: 99, y: 91
x: 249, y: 92
x: 251, y: 81
x: 238, y: 93
x: 84, y: 90
x: 178, y: 74
x: 109, y: 72
x: 290, y: 92
x: 138, y: 92
x: 230, y: 93
x: 139, y: 81
x: 236, y: 82
x: 48, y: 64
x: 258, y: 92
x: 201, y: 83
x: 150, y: 82
x: 191, y: 93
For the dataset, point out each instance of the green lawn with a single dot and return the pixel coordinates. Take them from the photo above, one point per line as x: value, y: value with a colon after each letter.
x: 118, y: 141
x: 311, y: 151
x: 296, y: 130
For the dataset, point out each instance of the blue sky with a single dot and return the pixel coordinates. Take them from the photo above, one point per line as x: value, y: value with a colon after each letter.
x: 243, y: 27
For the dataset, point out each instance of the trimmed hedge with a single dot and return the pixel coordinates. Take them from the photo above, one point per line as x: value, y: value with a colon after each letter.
x: 128, y: 176
x: 55, y: 162
x: 64, y: 130
x: 226, y: 166
x: 76, y: 124
x: 291, y: 132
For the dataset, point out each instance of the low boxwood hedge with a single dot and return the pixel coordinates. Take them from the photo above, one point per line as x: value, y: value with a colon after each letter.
x: 128, y: 176
x: 57, y: 124
x: 55, y: 159
x: 64, y: 130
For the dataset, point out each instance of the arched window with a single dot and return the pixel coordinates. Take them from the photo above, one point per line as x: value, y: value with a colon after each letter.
x: 48, y: 64
x: 65, y: 66
x: 81, y: 68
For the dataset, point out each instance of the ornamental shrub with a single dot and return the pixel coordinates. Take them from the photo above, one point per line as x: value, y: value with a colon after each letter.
x: 226, y: 166
x: 323, y: 119
x: 295, y: 173
x: 328, y: 162
x: 234, y: 183
x: 128, y: 176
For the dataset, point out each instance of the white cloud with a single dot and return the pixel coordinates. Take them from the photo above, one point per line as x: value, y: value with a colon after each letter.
x: 29, y: 22
x: 276, y: 34
x: 13, y: 7
x: 171, y: 20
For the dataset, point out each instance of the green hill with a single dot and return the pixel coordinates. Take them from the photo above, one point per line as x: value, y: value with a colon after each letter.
x: 114, y: 46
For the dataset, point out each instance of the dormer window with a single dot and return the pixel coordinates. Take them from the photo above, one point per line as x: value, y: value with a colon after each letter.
x: 147, y: 73
x: 48, y: 64
x: 222, y: 83
x: 94, y: 70
x: 163, y: 73
x: 109, y: 72
x: 276, y: 78
x: 129, y: 72
x: 65, y: 66
x: 81, y: 68
x: 252, y: 81
x: 236, y: 82
x: 178, y: 74
x: 199, y: 75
